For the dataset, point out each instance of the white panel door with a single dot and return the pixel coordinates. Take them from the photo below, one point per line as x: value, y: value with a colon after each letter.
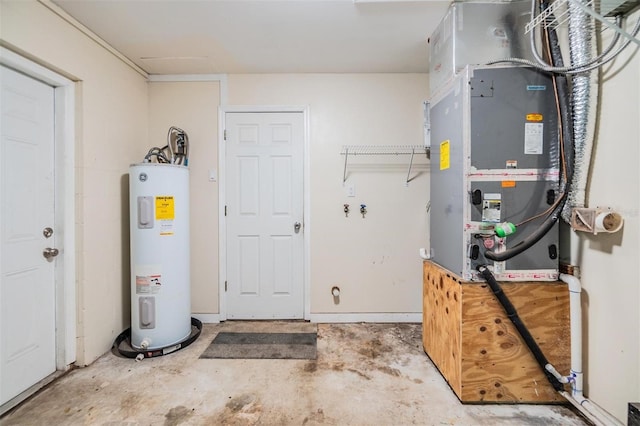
x: 264, y: 204
x: 27, y: 292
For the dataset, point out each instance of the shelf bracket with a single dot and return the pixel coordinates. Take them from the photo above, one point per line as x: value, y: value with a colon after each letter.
x: 413, y: 151
x: 346, y: 157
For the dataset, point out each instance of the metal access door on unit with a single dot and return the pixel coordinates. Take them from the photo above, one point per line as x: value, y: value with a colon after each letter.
x: 495, y: 152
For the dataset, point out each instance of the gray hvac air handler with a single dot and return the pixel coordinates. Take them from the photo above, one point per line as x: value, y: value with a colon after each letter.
x: 494, y: 159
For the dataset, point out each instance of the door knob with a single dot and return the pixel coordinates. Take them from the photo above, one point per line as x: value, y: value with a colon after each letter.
x: 49, y: 252
x: 296, y: 227
x: 47, y: 232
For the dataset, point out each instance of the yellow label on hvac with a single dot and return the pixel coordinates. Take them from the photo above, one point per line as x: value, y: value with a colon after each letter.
x: 165, y: 209
x: 445, y: 158
x: 534, y: 117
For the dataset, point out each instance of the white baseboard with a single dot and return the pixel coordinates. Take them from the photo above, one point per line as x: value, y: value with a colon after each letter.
x: 409, y: 317
x: 414, y: 317
x: 207, y: 318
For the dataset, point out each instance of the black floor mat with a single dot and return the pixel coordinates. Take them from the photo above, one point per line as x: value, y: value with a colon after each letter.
x: 262, y: 346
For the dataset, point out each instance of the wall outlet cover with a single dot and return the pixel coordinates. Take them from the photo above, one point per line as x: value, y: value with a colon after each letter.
x: 350, y: 189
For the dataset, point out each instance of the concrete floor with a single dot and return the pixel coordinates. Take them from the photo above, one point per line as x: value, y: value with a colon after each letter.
x: 365, y: 374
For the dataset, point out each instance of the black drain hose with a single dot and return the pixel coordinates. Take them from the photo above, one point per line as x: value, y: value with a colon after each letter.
x: 133, y: 353
x: 522, y: 329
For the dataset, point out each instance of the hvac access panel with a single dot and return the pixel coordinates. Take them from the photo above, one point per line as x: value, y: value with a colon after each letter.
x: 495, y: 159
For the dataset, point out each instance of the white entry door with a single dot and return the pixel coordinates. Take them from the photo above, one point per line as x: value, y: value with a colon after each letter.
x: 27, y: 291
x: 264, y: 208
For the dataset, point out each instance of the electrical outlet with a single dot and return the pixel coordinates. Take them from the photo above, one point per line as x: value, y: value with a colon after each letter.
x: 350, y: 190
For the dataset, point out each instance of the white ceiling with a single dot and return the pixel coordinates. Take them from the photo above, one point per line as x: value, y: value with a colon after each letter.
x: 265, y: 36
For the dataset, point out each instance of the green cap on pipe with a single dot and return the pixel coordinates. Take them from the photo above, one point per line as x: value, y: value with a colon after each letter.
x: 504, y: 229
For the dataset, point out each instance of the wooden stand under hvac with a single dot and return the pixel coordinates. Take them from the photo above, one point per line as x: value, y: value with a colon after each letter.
x: 477, y: 349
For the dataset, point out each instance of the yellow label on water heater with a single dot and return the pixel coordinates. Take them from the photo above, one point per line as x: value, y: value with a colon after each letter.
x: 445, y: 159
x: 165, y: 208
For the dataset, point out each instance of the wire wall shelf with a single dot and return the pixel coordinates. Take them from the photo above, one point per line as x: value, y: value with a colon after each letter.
x: 557, y: 14
x: 362, y: 150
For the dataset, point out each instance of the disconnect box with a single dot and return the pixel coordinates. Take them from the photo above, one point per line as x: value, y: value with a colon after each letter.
x: 495, y: 162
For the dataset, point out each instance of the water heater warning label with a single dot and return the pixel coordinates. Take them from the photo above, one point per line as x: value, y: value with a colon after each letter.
x: 148, y: 284
x: 165, y: 209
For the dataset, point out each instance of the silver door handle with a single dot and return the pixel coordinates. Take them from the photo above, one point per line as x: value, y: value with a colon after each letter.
x: 49, y: 252
x: 297, y: 226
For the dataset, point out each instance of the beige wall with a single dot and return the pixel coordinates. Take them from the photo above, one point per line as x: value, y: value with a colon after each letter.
x: 111, y: 125
x: 193, y: 107
x: 374, y: 260
x: 609, y: 262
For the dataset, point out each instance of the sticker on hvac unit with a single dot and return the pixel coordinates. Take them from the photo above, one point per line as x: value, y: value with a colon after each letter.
x: 445, y: 155
x: 533, y: 138
x: 148, y: 279
x: 165, y: 214
x: 491, y: 207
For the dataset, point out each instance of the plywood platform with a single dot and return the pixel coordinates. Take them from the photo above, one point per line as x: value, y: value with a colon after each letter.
x: 476, y: 347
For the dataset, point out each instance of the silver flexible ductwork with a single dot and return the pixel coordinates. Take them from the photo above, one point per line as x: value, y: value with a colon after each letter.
x: 584, y: 98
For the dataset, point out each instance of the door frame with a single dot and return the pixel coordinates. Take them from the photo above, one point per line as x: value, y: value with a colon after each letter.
x: 222, y: 181
x: 65, y: 270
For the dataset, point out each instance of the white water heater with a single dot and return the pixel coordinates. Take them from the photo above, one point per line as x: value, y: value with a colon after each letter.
x: 160, y: 279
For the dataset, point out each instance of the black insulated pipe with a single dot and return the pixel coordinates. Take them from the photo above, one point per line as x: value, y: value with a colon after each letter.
x: 532, y: 238
x: 566, y: 118
x: 517, y: 322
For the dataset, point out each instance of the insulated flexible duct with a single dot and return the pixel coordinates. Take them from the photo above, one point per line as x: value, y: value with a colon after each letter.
x: 581, y: 31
